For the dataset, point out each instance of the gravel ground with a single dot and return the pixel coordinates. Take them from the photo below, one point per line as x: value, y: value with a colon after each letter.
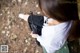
x: 14, y: 31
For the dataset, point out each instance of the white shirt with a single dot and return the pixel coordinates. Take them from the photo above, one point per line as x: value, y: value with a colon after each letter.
x: 53, y: 37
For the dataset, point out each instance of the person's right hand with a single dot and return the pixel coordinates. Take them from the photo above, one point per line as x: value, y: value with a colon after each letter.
x: 23, y: 16
x: 34, y: 35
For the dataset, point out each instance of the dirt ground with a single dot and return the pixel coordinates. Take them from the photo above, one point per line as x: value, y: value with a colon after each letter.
x: 14, y: 31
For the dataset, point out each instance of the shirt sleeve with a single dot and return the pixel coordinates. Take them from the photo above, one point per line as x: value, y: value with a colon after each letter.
x: 55, y: 45
x: 39, y: 38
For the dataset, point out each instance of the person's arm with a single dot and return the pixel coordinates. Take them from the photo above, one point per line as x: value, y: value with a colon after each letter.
x: 34, y: 35
x: 24, y: 16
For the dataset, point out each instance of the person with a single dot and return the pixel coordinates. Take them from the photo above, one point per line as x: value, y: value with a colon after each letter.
x: 62, y: 24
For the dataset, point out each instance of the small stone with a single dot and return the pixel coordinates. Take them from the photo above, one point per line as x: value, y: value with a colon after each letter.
x: 8, y: 12
x: 13, y: 36
x: 29, y: 39
x: 25, y: 3
x: 36, y: 5
x: 9, y: 16
x: 38, y: 12
x: 28, y: 33
x: 19, y: 1
x: 6, y: 27
x: 35, y: 2
x: 7, y: 35
x: 3, y: 11
x: 26, y: 41
x: 37, y: 51
x: 22, y: 23
x: 25, y: 49
x: 9, y: 27
x: 1, y: 14
x: 18, y: 26
x: 13, y: 0
x: 8, y: 22
x: 8, y: 32
x: 3, y: 32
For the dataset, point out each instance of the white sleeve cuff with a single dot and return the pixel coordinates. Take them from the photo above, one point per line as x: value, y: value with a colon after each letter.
x: 39, y: 38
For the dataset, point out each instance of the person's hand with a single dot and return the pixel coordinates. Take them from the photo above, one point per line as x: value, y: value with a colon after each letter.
x: 34, y: 35
x: 23, y: 16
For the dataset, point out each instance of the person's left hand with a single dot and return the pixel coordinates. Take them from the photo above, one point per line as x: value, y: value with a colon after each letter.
x: 24, y: 16
x: 34, y: 35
